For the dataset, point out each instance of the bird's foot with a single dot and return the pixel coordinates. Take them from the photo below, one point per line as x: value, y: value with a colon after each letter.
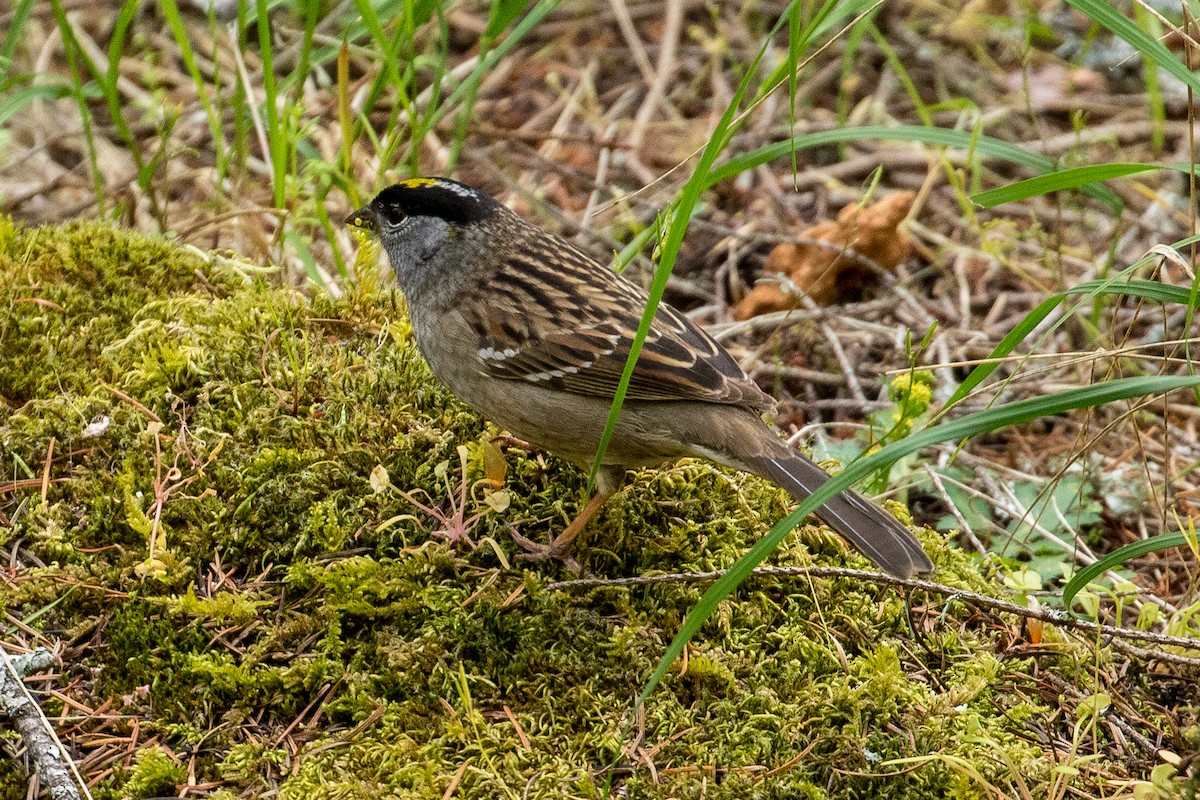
x: 520, y: 444
x: 561, y: 545
x: 557, y: 550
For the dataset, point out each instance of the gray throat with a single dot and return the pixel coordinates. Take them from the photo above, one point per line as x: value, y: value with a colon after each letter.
x: 422, y: 256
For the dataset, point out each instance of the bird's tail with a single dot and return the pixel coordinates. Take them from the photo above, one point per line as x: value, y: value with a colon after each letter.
x: 879, y: 536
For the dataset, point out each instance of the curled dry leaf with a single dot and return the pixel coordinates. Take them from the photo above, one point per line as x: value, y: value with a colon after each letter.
x: 379, y: 479
x: 834, y: 259
x: 495, y: 468
x: 498, y: 501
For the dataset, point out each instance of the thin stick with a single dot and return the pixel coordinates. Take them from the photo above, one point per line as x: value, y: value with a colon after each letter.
x: 51, y: 761
x: 665, y: 69
x: 1052, y: 616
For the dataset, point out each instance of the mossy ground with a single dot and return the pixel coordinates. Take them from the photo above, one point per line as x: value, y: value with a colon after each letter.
x: 249, y: 605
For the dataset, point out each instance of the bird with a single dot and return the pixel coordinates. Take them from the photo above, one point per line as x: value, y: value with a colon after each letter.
x: 533, y: 333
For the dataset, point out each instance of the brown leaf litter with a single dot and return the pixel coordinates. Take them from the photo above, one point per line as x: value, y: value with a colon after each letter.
x: 835, y: 259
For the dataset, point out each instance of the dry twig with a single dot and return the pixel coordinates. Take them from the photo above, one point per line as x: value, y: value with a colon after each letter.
x: 1059, y: 618
x: 54, y: 766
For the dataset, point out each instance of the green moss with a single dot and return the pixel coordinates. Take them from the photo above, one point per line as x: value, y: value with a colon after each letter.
x: 234, y: 576
x: 225, y: 607
x: 13, y: 780
x: 154, y: 773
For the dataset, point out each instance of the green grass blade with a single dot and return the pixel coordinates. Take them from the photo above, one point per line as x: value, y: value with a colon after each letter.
x: 488, y: 60
x: 304, y: 63
x: 1075, y: 178
x: 106, y: 80
x: 16, y: 31
x: 897, y: 65
x: 971, y: 425
x: 390, y: 76
x: 678, y: 214
x: 277, y: 136
x: 1009, y: 343
x: 22, y: 97
x: 171, y: 13
x: 960, y: 140
x: 1103, y: 12
x: 503, y: 13
x: 72, y: 50
x: 1148, y: 290
x: 1118, y: 558
x: 677, y: 218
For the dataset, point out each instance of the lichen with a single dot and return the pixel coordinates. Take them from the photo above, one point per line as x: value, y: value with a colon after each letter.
x: 212, y: 524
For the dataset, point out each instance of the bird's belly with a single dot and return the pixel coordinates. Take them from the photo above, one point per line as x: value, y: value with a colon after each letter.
x: 570, y: 426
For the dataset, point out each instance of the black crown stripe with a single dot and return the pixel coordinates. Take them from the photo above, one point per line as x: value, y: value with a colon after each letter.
x: 437, y: 197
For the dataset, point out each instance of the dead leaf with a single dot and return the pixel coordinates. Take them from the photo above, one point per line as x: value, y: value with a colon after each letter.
x: 379, y: 480
x: 832, y: 260
x: 495, y: 468
x: 498, y: 501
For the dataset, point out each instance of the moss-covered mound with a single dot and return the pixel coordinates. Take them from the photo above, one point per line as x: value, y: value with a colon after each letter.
x: 211, y: 499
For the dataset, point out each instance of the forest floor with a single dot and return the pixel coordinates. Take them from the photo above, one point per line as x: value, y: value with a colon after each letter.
x: 226, y: 467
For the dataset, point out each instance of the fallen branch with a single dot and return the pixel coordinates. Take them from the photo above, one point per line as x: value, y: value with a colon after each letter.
x: 51, y: 762
x: 1052, y: 616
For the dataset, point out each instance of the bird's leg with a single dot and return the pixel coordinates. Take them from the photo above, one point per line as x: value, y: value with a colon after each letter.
x: 562, y: 543
x: 520, y: 444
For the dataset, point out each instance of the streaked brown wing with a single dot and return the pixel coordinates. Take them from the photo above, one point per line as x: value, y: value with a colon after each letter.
x: 539, y: 329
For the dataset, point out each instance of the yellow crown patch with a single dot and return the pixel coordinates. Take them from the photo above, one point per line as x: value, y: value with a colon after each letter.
x: 420, y: 183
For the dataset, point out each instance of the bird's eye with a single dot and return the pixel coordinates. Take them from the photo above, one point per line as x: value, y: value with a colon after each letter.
x: 393, y: 214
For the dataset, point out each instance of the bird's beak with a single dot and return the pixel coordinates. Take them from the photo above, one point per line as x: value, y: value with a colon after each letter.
x: 363, y: 218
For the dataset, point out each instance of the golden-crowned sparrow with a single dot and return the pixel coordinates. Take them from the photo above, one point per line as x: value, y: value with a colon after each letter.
x: 533, y: 333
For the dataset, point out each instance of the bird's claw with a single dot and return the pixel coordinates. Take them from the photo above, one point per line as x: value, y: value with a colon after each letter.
x: 536, y: 551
